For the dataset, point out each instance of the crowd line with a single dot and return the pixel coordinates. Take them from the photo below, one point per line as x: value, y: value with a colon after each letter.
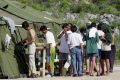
x: 92, y: 47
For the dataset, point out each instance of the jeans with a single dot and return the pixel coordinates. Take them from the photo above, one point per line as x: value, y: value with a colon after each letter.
x: 76, y: 60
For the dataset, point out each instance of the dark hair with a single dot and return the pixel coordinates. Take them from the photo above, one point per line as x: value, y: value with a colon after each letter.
x: 99, y: 27
x: 93, y: 24
x: 89, y: 26
x: 106, y: 28
x: 43, y: 28
x: 73, y: 28
x: 65, y: 25
x: 25, y: 24
x: 82, y: 30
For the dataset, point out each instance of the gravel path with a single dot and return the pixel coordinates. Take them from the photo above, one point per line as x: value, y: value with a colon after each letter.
x: 112, y: 76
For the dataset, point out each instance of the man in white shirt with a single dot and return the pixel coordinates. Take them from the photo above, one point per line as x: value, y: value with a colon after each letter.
x: 50, y: 48
x: 63, y: 49
x: 75, y: 44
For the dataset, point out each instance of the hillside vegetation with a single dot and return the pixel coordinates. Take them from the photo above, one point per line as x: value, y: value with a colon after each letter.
x: 75, y: 6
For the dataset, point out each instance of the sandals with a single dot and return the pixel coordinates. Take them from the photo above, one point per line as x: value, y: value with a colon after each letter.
x: 87, y: 73
x: 91, y: 74
x: 98, y: 74
x: 102, y: 74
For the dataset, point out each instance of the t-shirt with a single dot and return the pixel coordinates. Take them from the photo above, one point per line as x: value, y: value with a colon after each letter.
x: 100, y: 33
x: 106, y: 47
x: 91, y: 44
x: 50, y: 38
x: 74, y: 39
x: 63, y: 43
x: 69, y: 32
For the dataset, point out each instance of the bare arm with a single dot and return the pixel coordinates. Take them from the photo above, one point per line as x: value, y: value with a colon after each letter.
x: 81, y: 45
x: 113, y: 39
x: 60, y: 35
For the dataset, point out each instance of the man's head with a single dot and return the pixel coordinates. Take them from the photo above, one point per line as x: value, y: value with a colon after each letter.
x: 99, y: 27
x: 43, y: 29
x: 83, y: 30
x: 66, y: 27
x: 73, y: 28
x: 93, y: 24
x: 25, y: 25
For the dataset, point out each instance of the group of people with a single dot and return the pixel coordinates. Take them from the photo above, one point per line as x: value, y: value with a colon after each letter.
x: 92, y: 44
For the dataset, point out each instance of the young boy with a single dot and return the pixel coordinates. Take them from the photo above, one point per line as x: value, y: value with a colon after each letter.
x: 50, y: 49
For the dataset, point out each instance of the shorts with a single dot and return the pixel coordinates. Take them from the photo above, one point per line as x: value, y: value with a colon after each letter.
x: 99, y: 53
x: 105, y: 54
x: 63, y: 56
x: 91, y: 55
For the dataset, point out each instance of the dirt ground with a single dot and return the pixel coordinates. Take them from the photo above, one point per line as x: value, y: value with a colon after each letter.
x: 112, y: 76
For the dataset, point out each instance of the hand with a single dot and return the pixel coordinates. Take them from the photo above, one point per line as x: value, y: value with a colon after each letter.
x: 25, y: 44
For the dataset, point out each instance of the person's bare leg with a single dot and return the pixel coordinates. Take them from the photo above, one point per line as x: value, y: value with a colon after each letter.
x: 95, y: 65
x: 100, y: 70
x: 102, y: 67
x: 87, y: 66
x: 107, y: 66
x: 91, y: 67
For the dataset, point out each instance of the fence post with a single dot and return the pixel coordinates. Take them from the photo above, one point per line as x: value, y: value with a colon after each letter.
x: 44, y: 60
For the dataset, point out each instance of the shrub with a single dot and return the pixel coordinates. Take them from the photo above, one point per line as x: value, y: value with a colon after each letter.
x: 83, y: 7
x: 110, y: 10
